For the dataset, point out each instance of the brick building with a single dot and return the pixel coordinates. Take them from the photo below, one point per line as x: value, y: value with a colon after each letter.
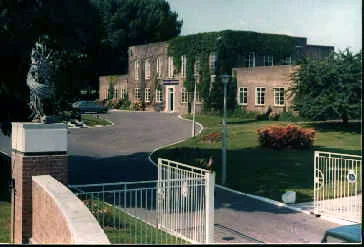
x: 262, y: 79
x: 116, y: 84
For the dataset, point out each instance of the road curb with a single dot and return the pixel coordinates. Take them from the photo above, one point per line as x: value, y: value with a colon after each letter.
x: 281, y: 204
x: 167, y: 145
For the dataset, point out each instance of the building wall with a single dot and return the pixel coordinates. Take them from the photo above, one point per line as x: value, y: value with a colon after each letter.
x: 269, y: 78
x: 118, y: 82
x: 317, y: 51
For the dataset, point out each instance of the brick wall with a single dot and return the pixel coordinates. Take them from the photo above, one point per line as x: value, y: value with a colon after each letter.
x: 121, y: 81
x: 24, y: 167
x: 269, y: 77
x: 59, y: 217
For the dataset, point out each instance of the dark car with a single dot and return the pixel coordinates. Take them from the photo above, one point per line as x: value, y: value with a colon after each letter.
x: 88, y: 106
x: 343, y: 234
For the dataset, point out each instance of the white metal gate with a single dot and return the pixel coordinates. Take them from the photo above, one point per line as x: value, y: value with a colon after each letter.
x: 186, y: 201
x: 176, y: 208
x: 337, y: 185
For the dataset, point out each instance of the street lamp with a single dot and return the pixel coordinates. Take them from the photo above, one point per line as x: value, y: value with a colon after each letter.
x: 225, y: 80
x: 194, y: 109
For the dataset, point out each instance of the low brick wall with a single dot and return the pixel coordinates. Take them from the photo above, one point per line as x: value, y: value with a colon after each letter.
x: 60, y: 217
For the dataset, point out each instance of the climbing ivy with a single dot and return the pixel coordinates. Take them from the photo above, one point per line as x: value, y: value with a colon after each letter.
x: 231, y: 47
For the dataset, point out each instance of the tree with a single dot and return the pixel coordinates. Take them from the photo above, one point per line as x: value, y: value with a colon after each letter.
x: 329, y: 88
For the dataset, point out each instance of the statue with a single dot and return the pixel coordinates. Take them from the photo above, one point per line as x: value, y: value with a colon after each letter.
x: 39, y: 82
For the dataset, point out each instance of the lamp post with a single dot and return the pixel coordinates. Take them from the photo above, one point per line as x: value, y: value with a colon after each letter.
x: 194, y: 109
x: 225, y: 80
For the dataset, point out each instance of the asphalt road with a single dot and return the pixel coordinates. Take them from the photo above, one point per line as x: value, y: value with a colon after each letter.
x: 119, y: 152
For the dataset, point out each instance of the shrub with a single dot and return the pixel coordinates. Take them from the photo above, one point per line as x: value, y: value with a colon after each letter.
x: 138, y: 106
x: 265, y: 115
x: 122, y: 104
x: 291, y: 136
x: 241, y: 113
x: 213, y: 137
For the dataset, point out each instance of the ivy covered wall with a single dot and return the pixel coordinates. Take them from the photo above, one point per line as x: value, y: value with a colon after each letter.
x: 231, y: 47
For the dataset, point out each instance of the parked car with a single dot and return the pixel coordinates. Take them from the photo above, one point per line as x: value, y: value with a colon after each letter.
x: 343, y: 234
x: 88, y: 106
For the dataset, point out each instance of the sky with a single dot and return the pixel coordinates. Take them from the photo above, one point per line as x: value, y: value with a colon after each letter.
x: 323, y: 22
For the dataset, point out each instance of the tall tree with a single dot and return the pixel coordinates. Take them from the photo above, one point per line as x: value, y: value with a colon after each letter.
x: 329, y: 88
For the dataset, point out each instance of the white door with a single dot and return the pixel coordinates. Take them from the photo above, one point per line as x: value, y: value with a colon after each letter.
x: 170, y: 99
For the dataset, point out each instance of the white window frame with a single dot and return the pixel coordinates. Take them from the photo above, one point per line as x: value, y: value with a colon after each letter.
x: 212, y: 62
x: 251, y: 59
x: 184, y: 95
x: 123, y: 92
x: 159, y: 67
x: 137, y: 96
x: 116, y: 92
x: 136, y: 69
x: 147, y: 69
x: 170, y: 67
x: 268, y: 60
x: 147, y: 94
x: 258, y: 95
x: 183, y: 66
x: 158, y: 96
x: 277, y: 95
x: 243, y: 90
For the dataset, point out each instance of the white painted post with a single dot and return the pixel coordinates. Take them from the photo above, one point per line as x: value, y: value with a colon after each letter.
x: 209, y: 194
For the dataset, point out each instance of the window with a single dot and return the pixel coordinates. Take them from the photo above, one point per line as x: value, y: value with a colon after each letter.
x: 147, y: 69
x: 137, y: 94
x: 170, y: 67
x: 147, y: 94
x: 212, y: 62
x: 159, y: 67
x: 268, y: 60
x: 136, y: 70
x: 116, y: 93
x: 184, y: 96
x: 183, y: 66
x: 259, y: 95
x: 158, y: 96
x: 243, y: 96
x: 124, y: 93
x: 278, y: 96
x: 251, y: 59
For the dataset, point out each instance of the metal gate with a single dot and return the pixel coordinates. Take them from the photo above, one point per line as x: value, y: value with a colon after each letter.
x: 337, y: 185
x: 175, y: 209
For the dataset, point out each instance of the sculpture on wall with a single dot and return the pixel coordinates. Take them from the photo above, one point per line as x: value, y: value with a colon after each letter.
x: 39, y: 81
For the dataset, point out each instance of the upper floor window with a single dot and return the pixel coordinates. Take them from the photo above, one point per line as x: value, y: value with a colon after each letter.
x: 259, y: 95
x: 170, y: 67
x: 147, y: 94
x: 268, y: 60
x: 278, y: 96
x: 184, y: 96
x: 288, y: 60
x: 212, y: 62
x: 243, y: 96
x: 136, y: 69
x: 137, y: 95
x: 158, y: 96
x: 159, y: 67
x: 251, y: 59
x: 196, y: 67
x: 183, y: 66
x: 147, y: 69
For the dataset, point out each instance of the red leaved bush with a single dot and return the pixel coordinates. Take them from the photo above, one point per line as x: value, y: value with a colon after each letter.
x: 291, y: 136
x: 213, y: 137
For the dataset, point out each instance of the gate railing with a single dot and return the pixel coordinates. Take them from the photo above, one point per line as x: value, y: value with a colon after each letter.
x: 337, y: 185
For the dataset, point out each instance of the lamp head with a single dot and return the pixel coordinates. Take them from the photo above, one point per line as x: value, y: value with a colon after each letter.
x: 225, y: 78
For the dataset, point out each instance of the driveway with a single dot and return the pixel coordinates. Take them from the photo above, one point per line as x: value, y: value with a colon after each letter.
x: 120, y: 152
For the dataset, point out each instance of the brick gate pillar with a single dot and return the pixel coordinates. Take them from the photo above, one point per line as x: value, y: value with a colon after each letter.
x: 37, y: 149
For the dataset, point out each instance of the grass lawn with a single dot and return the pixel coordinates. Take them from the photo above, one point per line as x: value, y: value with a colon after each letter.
x: 4, y: 222
x: 122, y: 228
x: 92, y: 120
x: 262, y: 171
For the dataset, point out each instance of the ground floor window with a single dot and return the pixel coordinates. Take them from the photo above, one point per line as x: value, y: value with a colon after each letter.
x: 158, y: 96
x: 243, y: 96
x: 137, y: 96
x: 278, y: 96
x: 116, y: 93
x: 184, y: 96
x: 147, y: 94
x: 124, y: 93
x: 259, y: 95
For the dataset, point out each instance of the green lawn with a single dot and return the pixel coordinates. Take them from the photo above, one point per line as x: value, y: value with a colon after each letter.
x: 92, y: 120
x: 263, y: 171
x: 4, y: 222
